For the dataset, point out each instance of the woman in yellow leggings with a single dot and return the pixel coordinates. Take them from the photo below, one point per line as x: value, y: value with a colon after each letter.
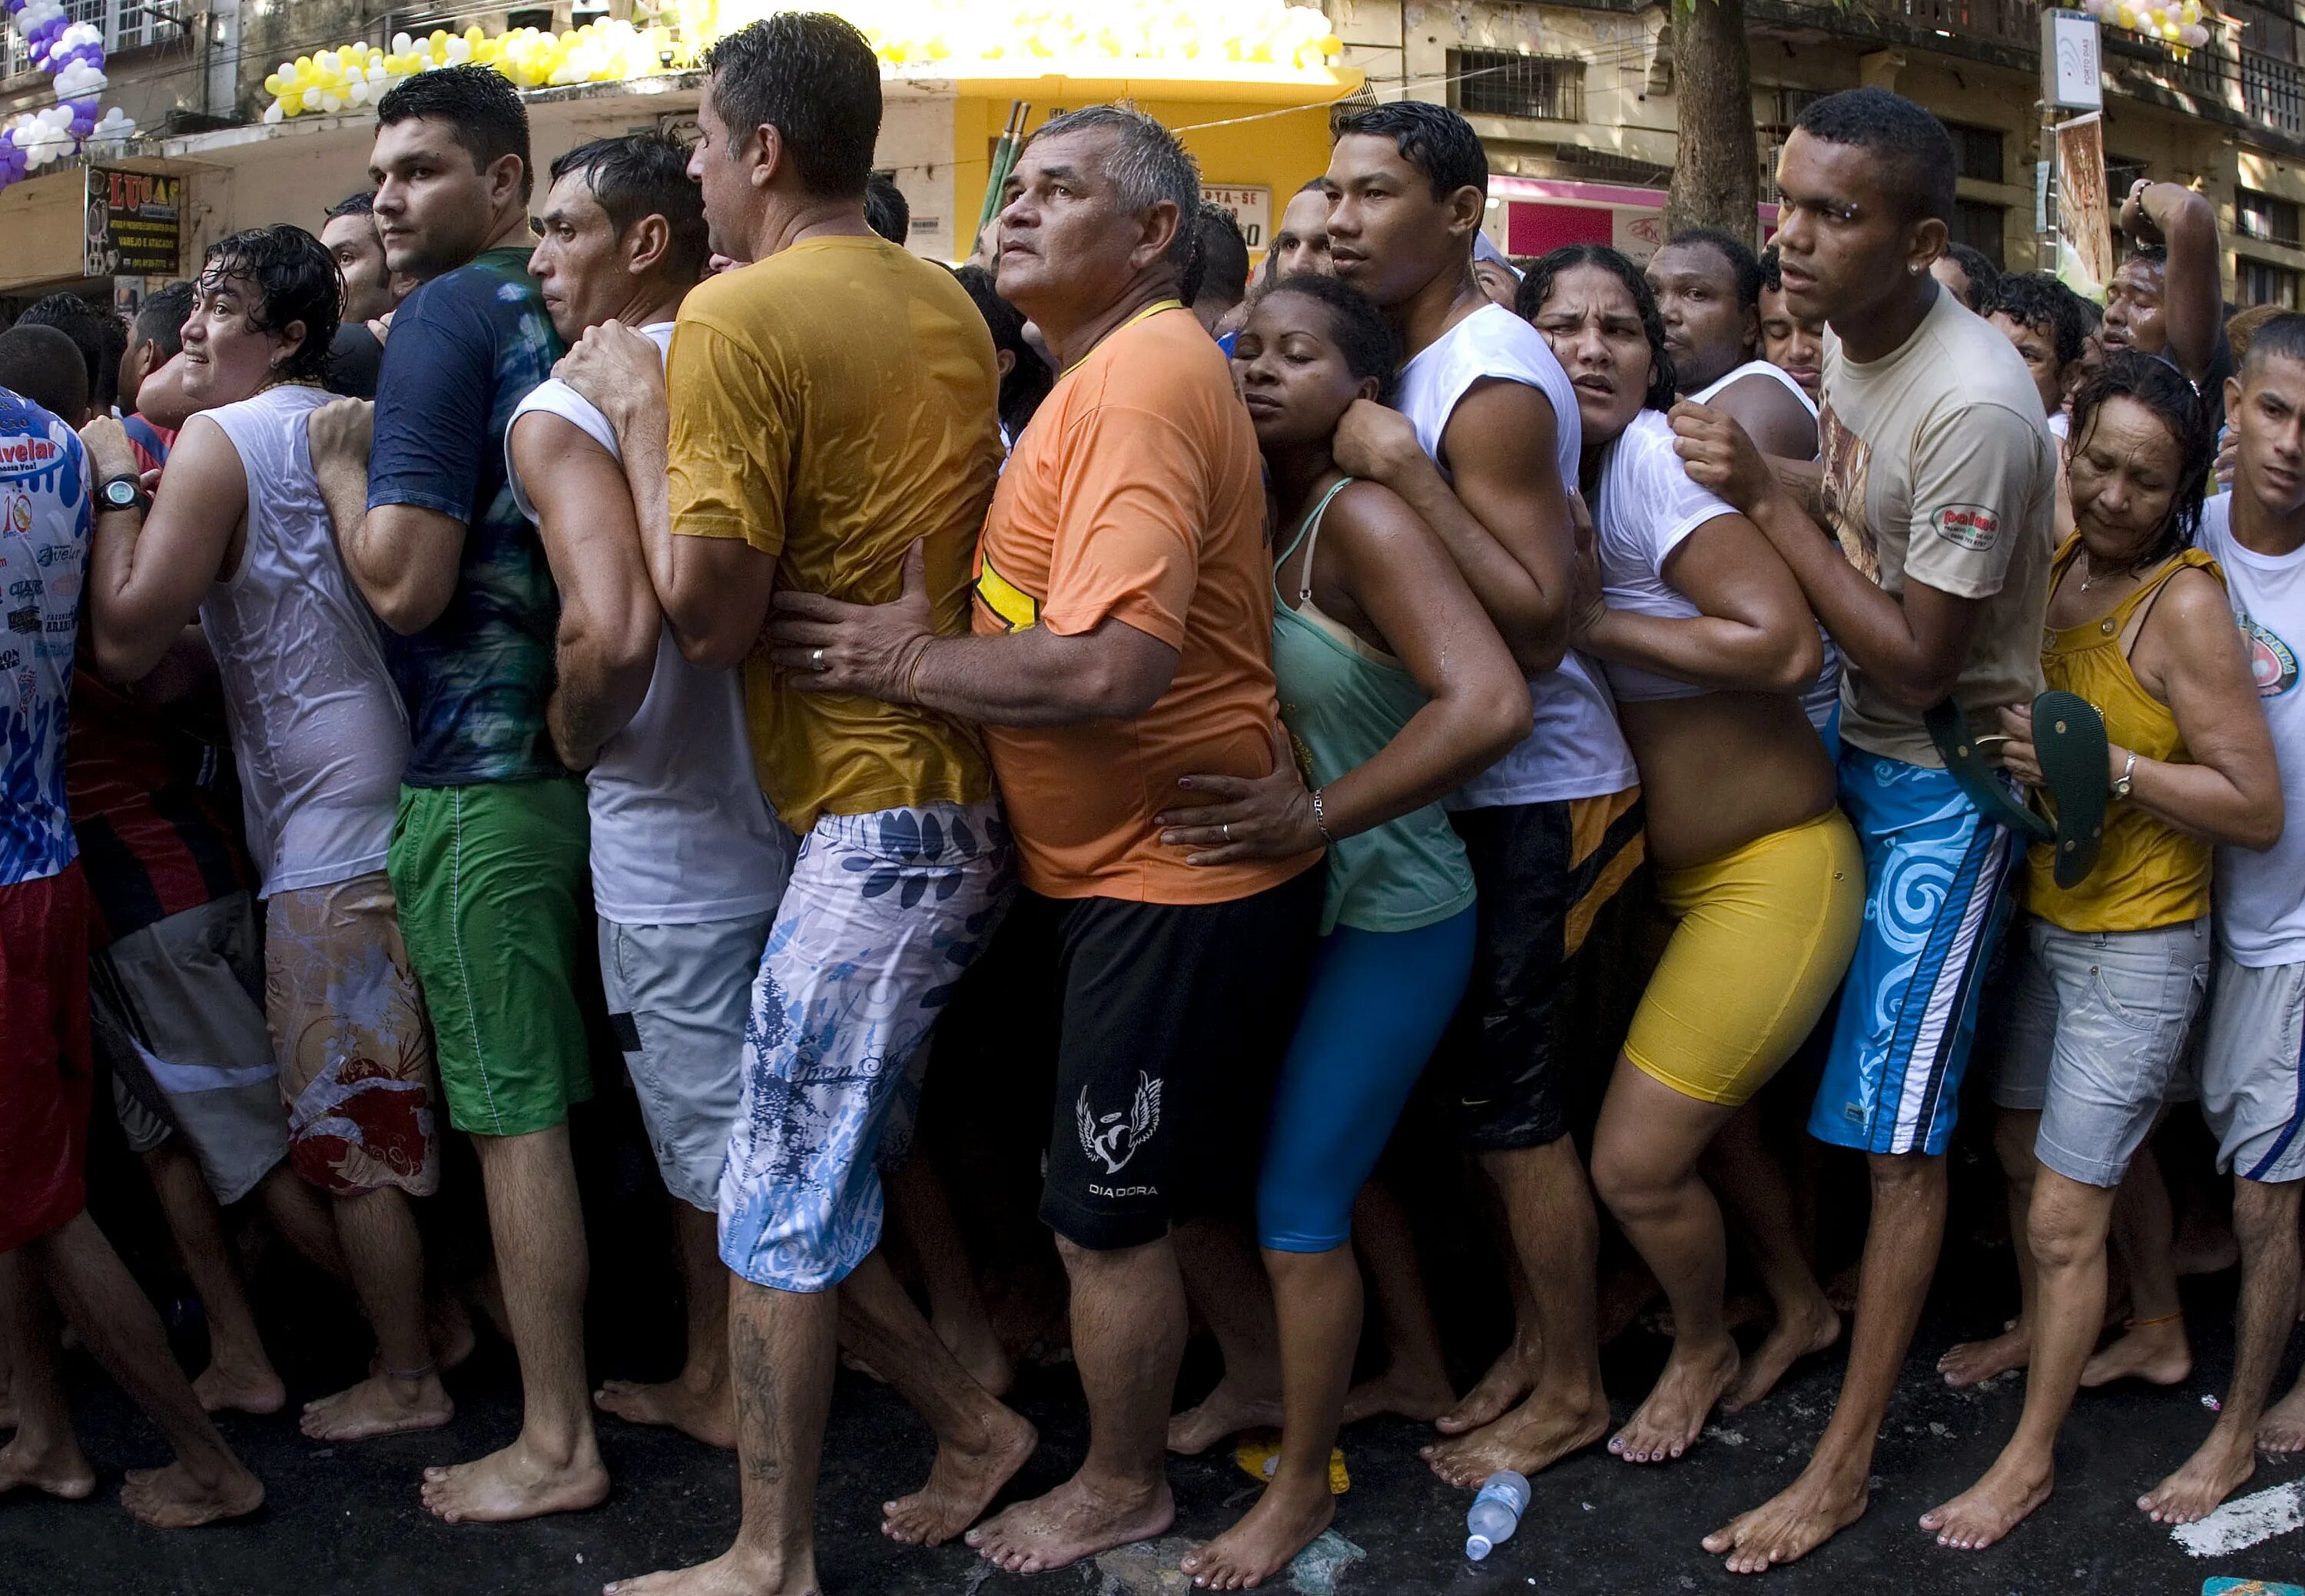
x: 1706, y: 643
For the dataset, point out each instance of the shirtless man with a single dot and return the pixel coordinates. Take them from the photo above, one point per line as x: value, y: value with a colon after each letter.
x: 1708, y: 291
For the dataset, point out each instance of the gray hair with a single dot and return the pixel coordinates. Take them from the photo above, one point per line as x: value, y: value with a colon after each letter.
x: 1148, y: 165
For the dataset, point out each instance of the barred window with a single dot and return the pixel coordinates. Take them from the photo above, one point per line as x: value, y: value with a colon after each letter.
x: 1507, y: 83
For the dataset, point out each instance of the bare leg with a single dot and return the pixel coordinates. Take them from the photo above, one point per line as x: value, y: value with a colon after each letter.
x: 698, y: 1401
x: 552, y: 1465
x: 1901, y: 1256
x: 781, y: 1350
x: 1971, y: 1362
x: 1645, y: 1157
x: 1226, y: 1283
x: 101, y: 1301
x: 2264, y: 1221
x: 981, y: 1444
x: 2152, y: 1346
x: 385, y: 1258
x: 1514, y: 1372
x: 240, y: 1375
x: 1318, y: 1295
x: 2066, y: 1227
x: 1129, y: 1336
x: 1415, y: 1384
x: 1555, y: 1232
x: 918, y: 1205
x: 1759, y: 1196
x: 303, y: 1217
x: 44, y: 1455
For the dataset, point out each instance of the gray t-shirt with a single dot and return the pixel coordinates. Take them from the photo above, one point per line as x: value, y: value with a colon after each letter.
x: 1939, y: 469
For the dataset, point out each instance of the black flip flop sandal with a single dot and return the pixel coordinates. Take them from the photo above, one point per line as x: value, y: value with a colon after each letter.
x: 2070, y: 742
x: 1964, y: 757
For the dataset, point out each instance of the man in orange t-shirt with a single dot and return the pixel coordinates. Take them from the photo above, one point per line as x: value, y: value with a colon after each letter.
x: 1123, y: 631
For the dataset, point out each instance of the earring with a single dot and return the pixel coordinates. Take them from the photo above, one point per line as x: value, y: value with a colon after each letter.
x: 1912, y: 271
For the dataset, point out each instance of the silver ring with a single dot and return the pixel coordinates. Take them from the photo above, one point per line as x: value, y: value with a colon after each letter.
x: 1228, y: 831
x: 816, y: 659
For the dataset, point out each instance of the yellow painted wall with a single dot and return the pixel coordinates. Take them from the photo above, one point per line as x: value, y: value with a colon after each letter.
x: 1279, y: 150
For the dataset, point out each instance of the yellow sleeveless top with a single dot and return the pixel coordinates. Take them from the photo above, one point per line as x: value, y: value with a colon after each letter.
x: 2148, y: 873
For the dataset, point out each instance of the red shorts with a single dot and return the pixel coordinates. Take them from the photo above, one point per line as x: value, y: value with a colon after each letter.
x: 46, y: 1068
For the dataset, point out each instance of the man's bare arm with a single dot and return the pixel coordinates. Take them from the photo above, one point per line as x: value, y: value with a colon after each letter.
x: 162, y: 400
x: 2192, y: 287
x: 402, y: 557
x: 148, y: 571
x: 1778, y: 423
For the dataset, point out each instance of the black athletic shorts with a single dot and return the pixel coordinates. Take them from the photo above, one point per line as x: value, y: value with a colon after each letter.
x: 1545, y: 870
x: 1171, y: 1021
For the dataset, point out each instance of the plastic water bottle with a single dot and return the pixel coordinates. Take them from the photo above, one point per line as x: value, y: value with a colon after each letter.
x: 1496, y: 1512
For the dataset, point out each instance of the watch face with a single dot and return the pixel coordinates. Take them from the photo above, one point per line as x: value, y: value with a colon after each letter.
x: 120, y: 492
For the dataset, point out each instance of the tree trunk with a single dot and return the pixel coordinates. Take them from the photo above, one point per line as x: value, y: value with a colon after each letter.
x: 1716, y: 176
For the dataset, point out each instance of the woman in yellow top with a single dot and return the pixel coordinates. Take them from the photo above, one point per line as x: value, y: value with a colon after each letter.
x: 2116, y: 967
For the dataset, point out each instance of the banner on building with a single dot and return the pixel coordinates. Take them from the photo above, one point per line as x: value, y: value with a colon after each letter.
x: 1251, y: 207
x: 134, y: 223
x: 2084, y: 212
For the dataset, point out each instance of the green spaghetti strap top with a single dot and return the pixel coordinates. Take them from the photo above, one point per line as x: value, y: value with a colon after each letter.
x: 1343, y: 702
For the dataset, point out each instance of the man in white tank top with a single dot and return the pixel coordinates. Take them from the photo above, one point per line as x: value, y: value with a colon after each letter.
x: 240, y: 536
x: 688, y: 863
x: 1708, y: 292
x: 1485, y: 445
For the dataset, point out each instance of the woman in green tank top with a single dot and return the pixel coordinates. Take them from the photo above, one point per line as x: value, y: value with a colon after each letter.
x: 1394, y: 690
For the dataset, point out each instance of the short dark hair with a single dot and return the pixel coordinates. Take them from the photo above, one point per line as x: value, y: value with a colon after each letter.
x: 1744, y: 265
x: 886, y: 211
x: 1220, y: 257
x: 41, y: 363
x: 1432, y: 139
x: 293, y: 278
x: 478, y: 102
x: 1364, y: 336
x: 1537, y: 286
x: 2162, y: 389
x: 161, y: 322
x: 2280, y: 338
x: 99, y: 336
x: 1912, y: 150
x: 362, y: 203
x: 2036, y: 300
x: 812, y: 77
x: 1772, y: 271
x: 644, y: 175
x: 1029, y: 378
x: 1984, y: 276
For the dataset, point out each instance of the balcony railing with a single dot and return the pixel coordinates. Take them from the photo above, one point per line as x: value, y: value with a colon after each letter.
x: 2272, y: 91
x: 2016, y: 23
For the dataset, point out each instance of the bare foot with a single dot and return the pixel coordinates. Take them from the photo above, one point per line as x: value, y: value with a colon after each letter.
x: 1668, y: 1422
x: 60, y: 1469
x: 515, y: 1484
x: 1223, y: 1413
x: 1421, y: 1399
x: 380, y: 1404
x: 171, y: 1498
x: 1266, y: 1540
x: 1993, y: 1506
x: 709, y: 1415
x: 1510, y: 1377
x: 962, y: 1483
x: 732, y: 1573
x: 1070, y: 1522
x: 973, y: 1341
x: 2282, y: 1427
x: 240, y: 1389
x: 2157, y: 1354
x: 1534, y: 1436
x: 1841, y: 1290
x: 1799, y: 1333
x: 2209, y: 1476
x: 1792, y: 1523
x: 1974, y: 1362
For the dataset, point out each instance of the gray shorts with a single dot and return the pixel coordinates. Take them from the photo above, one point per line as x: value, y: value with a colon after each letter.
x: 678, y: 997
x: 2252, y: 1085
x: 2096, y: 1031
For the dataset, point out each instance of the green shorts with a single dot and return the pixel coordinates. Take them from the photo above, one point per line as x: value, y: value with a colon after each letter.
x: 495, y: 910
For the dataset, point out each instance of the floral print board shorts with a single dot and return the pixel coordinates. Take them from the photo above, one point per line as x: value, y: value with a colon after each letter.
x: 883, y: 913
x: 348, y: 1026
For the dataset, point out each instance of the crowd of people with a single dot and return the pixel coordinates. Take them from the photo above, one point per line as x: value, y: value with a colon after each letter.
x: 648, y: 601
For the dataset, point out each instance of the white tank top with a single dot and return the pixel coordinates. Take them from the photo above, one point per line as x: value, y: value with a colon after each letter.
x: 681, y: 832
x: 1574, y: 749
x: 316, y: 727
x: 1757, y: 368
x: 1645, y: 508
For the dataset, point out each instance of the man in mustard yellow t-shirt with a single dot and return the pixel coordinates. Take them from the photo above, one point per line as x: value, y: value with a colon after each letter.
x: 831, y: 406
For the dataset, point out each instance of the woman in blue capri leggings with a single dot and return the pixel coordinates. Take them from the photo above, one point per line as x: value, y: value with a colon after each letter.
x: 1395, y: 689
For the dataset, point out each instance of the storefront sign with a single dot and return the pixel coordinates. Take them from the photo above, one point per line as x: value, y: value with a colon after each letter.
x: 133, y: 223
x: 1252, y: 208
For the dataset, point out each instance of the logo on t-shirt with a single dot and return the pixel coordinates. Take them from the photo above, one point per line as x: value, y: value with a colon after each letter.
x: 1971, y: 526
x: 1847, y: 462
x: 2271, y: 662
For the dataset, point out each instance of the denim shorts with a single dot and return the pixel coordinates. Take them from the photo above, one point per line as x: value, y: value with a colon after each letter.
x: 2253, y: 1070
x: 2096, y: 1031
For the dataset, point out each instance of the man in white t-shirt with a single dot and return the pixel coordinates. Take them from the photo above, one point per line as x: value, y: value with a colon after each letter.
x: 688, y: 863
x: 1708, y: 284
x: 2252, y: 1082
x: 1483, y: 441
x: 1939, y: 482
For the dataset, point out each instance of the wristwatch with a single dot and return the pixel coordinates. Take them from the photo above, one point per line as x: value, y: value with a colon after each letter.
x: 2121, y: 784
x: 123, y: 492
